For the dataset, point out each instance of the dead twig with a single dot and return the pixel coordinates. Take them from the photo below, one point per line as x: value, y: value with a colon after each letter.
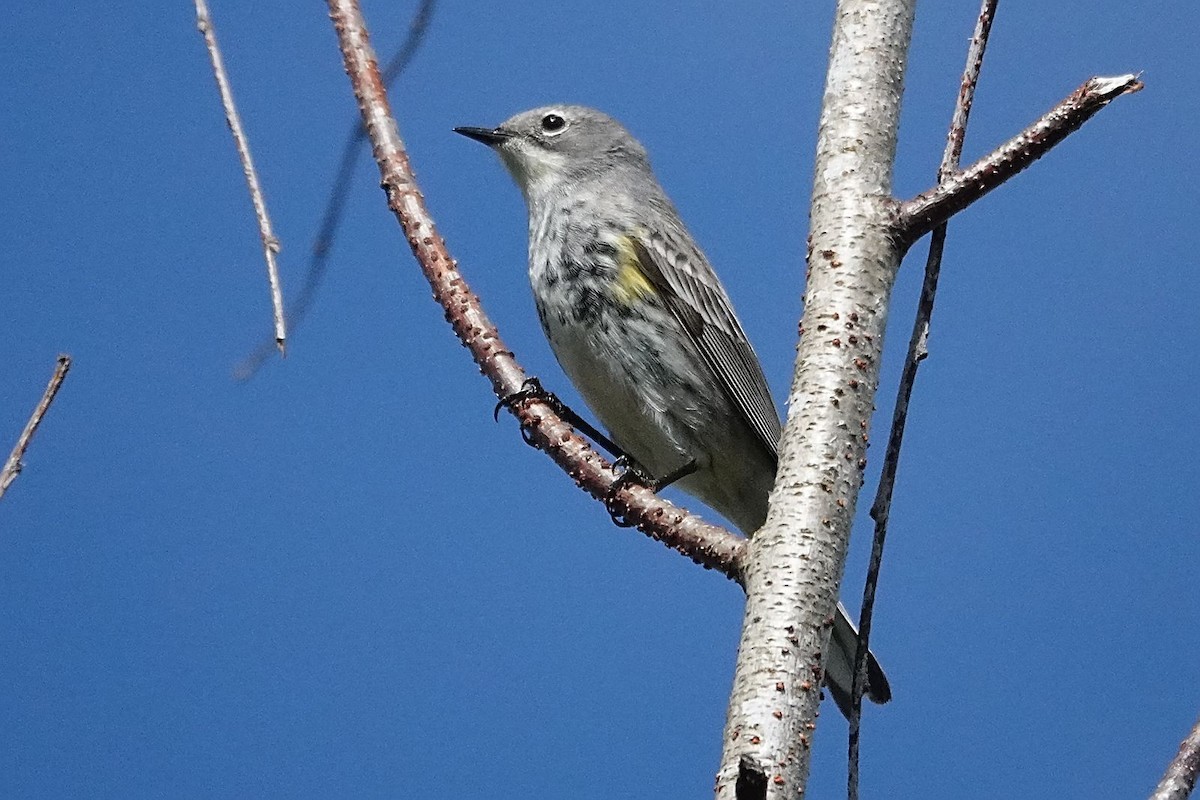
x: 12, y: 467
x: 270, y: 242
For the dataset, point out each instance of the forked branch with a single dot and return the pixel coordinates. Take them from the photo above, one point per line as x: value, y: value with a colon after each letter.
x: 792, y: 568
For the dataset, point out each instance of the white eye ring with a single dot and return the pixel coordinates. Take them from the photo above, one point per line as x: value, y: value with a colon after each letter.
x: 553, y: 124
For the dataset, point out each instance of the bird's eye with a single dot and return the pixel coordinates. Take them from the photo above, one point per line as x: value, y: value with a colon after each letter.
x: 553, y: 123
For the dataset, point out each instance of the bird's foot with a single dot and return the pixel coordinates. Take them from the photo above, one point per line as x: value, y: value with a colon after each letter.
x: 532, y: 388
x: 631, y: 472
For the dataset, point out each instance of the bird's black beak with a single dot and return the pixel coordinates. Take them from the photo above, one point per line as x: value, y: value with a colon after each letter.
x: 489, y: 136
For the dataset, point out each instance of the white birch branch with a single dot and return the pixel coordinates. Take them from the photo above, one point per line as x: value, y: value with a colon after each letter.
x: 794, y: 564
x: 1180, y: 778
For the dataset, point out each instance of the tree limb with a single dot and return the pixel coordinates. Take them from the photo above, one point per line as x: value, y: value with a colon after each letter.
x: 1180, y: 777
x: 917, y: 351
x: 12, y: 467
x: 926, y: 211
x: 270, y: 242
x: 794, y: 563
x: 707, y: 545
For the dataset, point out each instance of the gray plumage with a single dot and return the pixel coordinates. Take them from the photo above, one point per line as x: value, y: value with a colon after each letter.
x: 642, y: 326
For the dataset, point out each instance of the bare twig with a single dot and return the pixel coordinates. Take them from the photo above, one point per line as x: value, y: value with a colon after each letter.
x: 339, y: 192
x: 269, y: 241
x: 12, y: 467
x: 705, y: 544
x: 1180, y: 778
x: 916, y: 353
x: 925, y: 212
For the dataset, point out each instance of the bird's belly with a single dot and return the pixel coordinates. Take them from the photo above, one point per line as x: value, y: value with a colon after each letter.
x: 613, y: 374
x: 653, y: 415
x: 651, y: 390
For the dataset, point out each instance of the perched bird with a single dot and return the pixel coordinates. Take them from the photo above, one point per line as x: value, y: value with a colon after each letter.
x: 643, y: 328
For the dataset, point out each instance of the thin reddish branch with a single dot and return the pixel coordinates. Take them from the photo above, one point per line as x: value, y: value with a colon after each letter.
x: 270, y: 242
x: 1180, y: 778
x: 707, y: 545
x: 917, y: 351
x: 923, y: 213
x: 12, y: 467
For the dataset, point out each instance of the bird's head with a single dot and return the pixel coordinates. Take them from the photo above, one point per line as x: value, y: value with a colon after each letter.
x: 552, y: 147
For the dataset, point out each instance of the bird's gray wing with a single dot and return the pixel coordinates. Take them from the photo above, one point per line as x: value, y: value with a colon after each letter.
x: 692, y: 292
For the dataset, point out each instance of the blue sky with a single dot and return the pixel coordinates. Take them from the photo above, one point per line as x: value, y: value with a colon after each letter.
x: 344, y: 580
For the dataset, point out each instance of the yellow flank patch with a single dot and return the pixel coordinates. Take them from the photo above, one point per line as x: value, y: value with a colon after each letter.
x: 632, y: 283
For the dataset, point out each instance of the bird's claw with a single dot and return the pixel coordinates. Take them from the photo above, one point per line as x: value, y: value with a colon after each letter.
x: 629, y: 472
x: 530, y: 387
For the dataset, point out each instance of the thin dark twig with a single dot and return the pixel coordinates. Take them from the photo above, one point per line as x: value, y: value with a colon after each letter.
x: 916, y: 353
x: 706, y: 544
x: 343, y: 180
x: 270, y: 242
x: 1180, y: 778
x: 12, y: 467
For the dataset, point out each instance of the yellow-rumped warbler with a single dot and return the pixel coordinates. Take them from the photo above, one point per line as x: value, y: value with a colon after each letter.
x: 643, y: 328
